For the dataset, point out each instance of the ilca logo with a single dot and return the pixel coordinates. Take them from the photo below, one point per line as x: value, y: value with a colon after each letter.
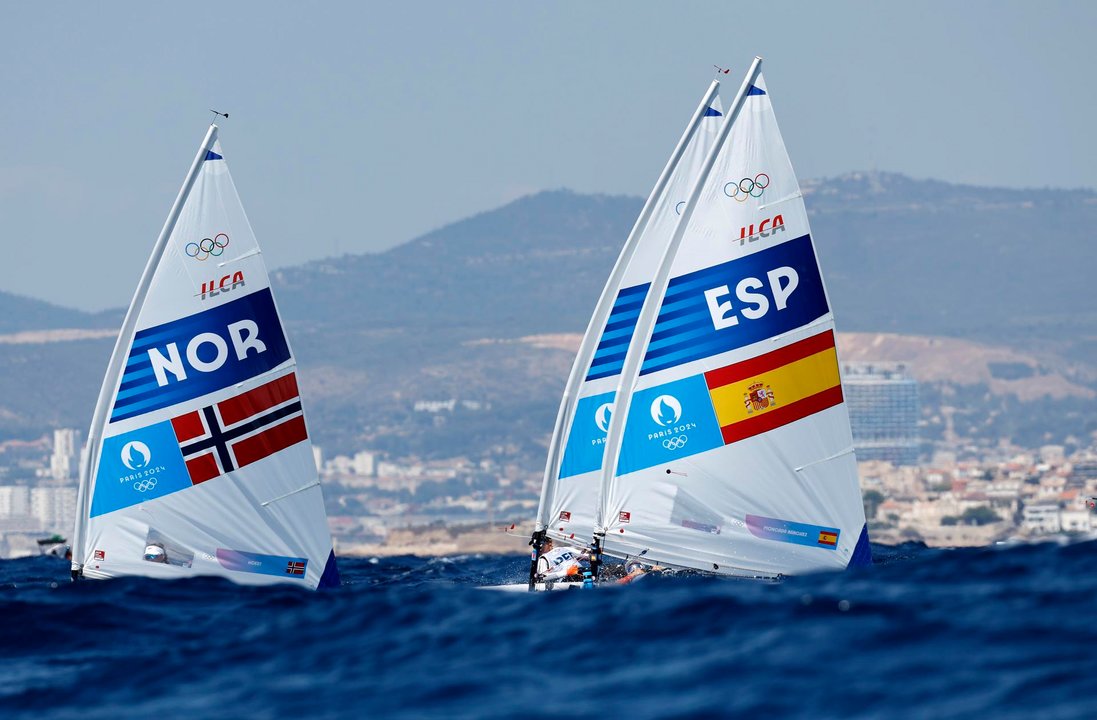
x: 766, y: 228
x: 207, y: 247
x: 666, y: 411
x: 228, y: 282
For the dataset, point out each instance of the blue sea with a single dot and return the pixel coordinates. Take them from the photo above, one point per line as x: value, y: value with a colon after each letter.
x: 981, y: 633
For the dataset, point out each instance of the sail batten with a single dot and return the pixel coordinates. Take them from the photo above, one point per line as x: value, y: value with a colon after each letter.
x: 199, y: 438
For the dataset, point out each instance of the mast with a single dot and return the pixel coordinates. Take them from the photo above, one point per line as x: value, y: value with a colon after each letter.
x: 602, y: 310
x: 119, y: 355
x: 645, y: 324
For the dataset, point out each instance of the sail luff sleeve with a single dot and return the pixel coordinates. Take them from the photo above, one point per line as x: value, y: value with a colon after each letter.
x: 121, y: 351
x: 602, y: 310
x: 645, y: 324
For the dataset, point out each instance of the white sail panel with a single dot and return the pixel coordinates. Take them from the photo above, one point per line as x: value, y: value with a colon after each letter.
x: 736, y: 455
x: 205, y: 464
x: 574, y: 495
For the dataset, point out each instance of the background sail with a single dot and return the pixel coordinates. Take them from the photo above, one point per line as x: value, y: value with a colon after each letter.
x: 736, y: 454
x: 570, y: 492
x: 204, y: 452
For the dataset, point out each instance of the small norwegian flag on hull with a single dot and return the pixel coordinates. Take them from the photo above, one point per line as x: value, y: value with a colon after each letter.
x: 241, y: 430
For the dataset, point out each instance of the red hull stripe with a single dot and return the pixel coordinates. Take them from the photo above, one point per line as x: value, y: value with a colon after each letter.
x: 758, y: 365
x: 270, y: 441
x: 253, y: 402
x: 187, y: 427
x: 779, y: 416
x: 202, y: 468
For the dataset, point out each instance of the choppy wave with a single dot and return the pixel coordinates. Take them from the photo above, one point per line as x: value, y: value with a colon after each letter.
x: 1004, y: 633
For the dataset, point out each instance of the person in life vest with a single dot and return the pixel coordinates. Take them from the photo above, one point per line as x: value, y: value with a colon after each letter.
x: 560, y: 564
x: 635, y: 570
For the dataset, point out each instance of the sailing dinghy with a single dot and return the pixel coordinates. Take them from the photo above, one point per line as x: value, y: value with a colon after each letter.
x: 728, y: 446
x: 199, y: 458
x: 570, y: 488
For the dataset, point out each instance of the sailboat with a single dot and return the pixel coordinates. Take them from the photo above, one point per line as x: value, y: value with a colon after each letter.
x: 199, y: 460
x: 724, y: 443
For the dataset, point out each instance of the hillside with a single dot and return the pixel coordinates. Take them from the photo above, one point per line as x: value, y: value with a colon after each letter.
x: 19, y: 313
x: 443, y: 315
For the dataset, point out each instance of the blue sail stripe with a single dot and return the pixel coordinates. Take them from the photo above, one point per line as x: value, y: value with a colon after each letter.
x: 680, y: 335
x: 132, y: 379
x: 607, y: 358
x: 133, y: 408
x: 616, y: 336
x: 608, y: 372
x: 608, y: 347
x: 641, y: 289
x: 622, y: 323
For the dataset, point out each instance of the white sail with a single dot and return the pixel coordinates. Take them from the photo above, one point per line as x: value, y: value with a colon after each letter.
x: 199, y: 459
x: 570, y: 489
x: 734, y: 452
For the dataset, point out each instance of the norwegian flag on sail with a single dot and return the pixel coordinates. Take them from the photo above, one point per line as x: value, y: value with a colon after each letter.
x: 240, y: 430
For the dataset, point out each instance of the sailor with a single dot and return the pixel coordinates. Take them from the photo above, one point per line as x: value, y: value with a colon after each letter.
x: 560, y: 563
x: 155, y: 553
x: 634, y: 570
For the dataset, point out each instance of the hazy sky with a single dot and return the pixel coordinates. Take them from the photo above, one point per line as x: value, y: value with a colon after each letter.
x: 357, y: 126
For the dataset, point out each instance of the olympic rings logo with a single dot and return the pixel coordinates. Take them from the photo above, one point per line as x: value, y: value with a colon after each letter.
x: 747, y: 187
x: 144, y: 485
x: 214, y: 246
x: 676, y: 443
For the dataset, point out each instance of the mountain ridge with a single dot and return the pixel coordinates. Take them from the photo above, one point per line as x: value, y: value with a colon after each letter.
x: 375, y: 331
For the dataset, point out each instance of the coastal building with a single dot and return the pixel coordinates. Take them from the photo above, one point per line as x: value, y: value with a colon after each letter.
x: 364, y: 464
x: 65, y: 460
x: 1041, y: 518
x: 54, y: 507
x: 883, y: 411
x: 1079, y: 521
x: 14, y: 501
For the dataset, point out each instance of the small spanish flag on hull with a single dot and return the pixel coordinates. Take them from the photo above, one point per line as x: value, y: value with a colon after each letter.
x: 775, y: 389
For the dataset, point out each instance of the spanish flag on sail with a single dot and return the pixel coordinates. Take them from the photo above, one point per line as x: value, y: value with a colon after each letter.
x: 775, y: 389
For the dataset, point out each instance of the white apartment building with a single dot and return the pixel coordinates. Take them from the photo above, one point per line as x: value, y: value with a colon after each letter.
x: 14, y: 501
x: 54, y: 507
x: 364, y: 464
x: 65, y: 460
x: 1041, y: 518
x: 1076, y: 520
